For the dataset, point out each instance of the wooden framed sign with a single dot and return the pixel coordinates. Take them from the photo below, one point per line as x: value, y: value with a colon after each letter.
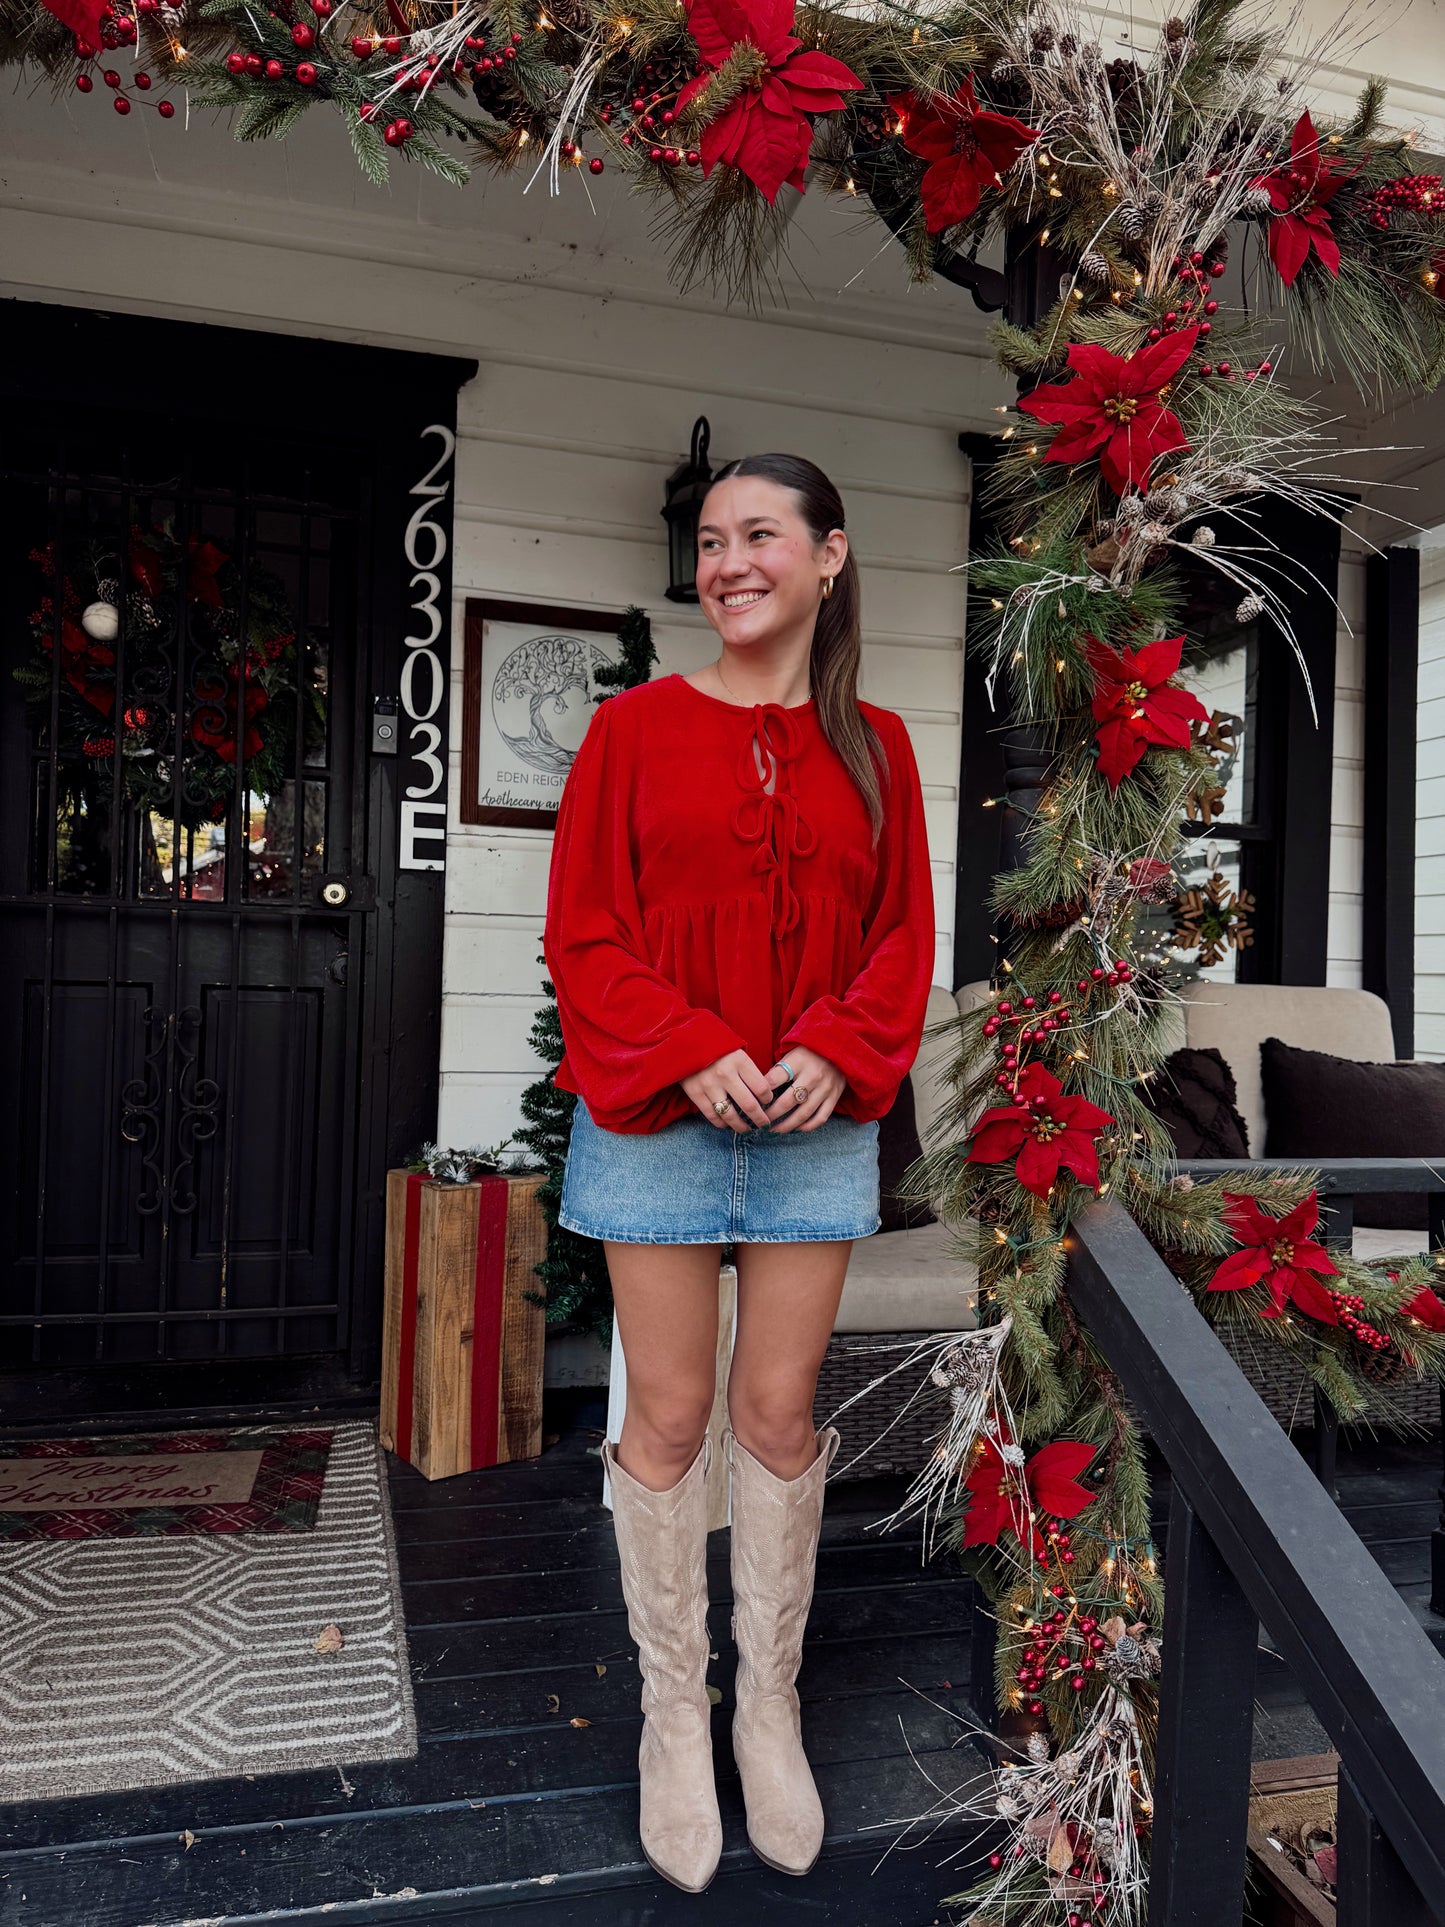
x: 529, y: 691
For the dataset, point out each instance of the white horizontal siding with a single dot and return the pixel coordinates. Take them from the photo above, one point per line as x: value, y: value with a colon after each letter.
x: 1430, y: 813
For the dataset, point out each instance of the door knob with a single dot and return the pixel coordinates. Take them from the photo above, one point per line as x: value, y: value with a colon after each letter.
x: 335, y: 894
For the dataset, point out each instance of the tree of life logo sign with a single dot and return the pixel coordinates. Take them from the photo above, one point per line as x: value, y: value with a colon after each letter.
x: 542, y: 699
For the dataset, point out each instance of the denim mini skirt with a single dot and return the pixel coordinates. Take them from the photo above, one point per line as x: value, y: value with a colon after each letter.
x: 692, y: 1184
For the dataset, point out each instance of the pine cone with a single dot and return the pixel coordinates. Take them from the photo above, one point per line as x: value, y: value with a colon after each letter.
x: 1093, y: 265
x: 1001, y: 68
x: 1386, y: 1367
x: 1255, y: 200
x: 1043, y: 39
x: 1250, y: 610
x: 1131, y: 222
x: 1053, y: 916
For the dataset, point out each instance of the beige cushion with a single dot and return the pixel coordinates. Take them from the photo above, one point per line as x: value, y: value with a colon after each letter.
x: 1371, y: 1243
x: 908, y: 1281
x: 1235, y: 1019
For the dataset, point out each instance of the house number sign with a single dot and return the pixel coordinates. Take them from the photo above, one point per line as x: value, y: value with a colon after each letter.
x: 424, y: 664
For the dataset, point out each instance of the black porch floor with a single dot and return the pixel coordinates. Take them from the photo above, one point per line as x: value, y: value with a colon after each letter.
x: 511, y: 1814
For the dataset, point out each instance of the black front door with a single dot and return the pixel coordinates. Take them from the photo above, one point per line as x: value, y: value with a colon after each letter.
x: 198, y: 901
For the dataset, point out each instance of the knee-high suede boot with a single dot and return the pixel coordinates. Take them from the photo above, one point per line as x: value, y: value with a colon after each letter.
x: 662, y: 1544
x: 776, y: 1523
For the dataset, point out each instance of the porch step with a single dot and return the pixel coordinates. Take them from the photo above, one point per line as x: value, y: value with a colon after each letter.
x: 509, y: 1813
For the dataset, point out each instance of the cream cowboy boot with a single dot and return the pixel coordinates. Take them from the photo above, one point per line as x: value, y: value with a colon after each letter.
x: 776, y: 1523
x: 662, y: 1543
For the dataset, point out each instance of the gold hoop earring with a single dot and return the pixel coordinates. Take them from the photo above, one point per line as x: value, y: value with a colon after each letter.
x: 827, y: 587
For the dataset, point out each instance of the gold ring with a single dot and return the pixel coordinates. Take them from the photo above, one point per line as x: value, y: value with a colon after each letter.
x: 800, y: 1093
x: 723, y: 1104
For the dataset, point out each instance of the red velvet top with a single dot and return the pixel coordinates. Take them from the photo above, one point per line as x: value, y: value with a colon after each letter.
x: 698, y: 904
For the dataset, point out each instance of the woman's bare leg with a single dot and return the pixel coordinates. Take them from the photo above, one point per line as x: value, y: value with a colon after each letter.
x: 787, y: 1300
x: 666, y: 1301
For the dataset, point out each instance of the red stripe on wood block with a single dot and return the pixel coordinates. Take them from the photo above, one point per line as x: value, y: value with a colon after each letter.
x: 406, y: 1348
x: 487, y: 1321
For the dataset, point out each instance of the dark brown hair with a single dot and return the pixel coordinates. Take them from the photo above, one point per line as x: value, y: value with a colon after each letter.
x: 837, y: 638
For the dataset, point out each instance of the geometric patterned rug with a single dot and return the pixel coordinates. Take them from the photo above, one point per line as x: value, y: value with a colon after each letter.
x: 144, y: 1661
x: 162, y: 1484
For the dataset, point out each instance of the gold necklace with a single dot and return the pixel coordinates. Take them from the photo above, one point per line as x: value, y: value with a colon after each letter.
x: 733, y: 693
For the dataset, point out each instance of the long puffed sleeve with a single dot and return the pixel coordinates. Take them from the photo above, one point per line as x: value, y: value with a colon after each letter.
x: 873, y: 1031
x: 628, y: 1032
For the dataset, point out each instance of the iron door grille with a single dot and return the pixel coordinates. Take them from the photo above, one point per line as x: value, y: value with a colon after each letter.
x: 183, y: 891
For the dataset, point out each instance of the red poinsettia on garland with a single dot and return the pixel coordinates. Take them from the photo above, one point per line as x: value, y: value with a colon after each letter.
x: 1114, y: 407
x: 764, y: 130
x: 1041, y: 1131
x: 1299, y: 194
x: 1279, y: 1253
x: 968, y: 149
x: 1136, y: 706
x: 1008, y: 1493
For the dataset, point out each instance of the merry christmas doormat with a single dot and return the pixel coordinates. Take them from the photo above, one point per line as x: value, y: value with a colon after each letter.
x: 144, y: 1660
x: 160, y: 1485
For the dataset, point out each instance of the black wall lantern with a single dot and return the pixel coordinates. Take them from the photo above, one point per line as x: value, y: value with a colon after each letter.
x: 686, y: 487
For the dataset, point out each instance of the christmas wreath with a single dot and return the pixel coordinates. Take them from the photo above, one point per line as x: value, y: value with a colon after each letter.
x: 179, y: 753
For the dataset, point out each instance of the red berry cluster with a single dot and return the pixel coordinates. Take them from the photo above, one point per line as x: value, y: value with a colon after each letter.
x: 649, y: 122
x: 1031, y: 1026
x: 1051, y: 1649
x: 1227, y: 371
x: 1196, y: 305
x: 1350, y: 1306
x: 1411, y: 194
x: 119, y: 30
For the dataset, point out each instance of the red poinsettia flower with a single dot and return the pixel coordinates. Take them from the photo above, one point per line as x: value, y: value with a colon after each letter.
x: 1280, y: 1253
x: 1426, y: 1308
x: 1008, y: 1493
x: 764, y: 131
x: 967, y: 147
x: 1136, y: 706
x: 1114, y: 408
x: 1299, y: 193
x: 1041, y: 1130
x: 214, y: 723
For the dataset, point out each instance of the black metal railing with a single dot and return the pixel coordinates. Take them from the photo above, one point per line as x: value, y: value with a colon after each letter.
x: 1254, y: 1538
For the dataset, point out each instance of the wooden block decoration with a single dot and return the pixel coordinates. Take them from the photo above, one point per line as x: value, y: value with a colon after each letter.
x: 462, y: 1347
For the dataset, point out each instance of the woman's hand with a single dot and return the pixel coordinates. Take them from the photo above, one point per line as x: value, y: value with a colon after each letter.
x: 821, y: 1080
x: 735, y: 1076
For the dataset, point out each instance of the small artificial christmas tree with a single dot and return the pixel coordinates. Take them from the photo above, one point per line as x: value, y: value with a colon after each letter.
x: 575, y: 1287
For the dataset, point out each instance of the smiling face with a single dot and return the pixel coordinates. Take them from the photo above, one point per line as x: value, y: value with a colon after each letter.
x: 760, y: 573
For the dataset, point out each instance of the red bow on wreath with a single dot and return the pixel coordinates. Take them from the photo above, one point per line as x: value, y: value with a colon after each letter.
x: 1041, y: 1131
x: 967, y: 147
x: 214, y: 722
x: 1136, y: 707
x: 1114, y: 407
x: 82, y: 17
x: 1279, y: 1253
x: 204, y: 563
x: 1299, y: 194
x: 1007, y: 1492
x: 769, y: 85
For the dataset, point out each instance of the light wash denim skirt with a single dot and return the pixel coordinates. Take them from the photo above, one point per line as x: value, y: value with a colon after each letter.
x: 691, y: 1184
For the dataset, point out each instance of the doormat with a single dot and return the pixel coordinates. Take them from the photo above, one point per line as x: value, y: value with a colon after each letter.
x: 145, y: 1661
x: 161, y: 1486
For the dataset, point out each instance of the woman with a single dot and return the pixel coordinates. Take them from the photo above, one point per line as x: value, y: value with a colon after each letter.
x: 740, y: 932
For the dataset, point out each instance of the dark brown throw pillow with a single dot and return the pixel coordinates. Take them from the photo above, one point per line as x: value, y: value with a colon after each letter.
x: 898, y: 1146
x: 1193, y: 1096
x: 1331, y: 1107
